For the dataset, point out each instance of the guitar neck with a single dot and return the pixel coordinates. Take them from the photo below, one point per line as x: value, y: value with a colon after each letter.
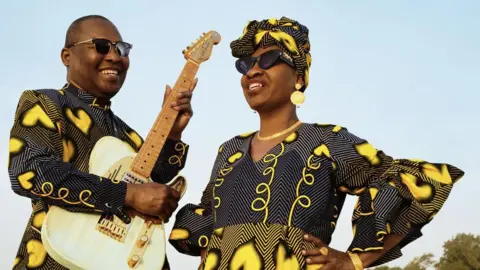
x: 150, y: 151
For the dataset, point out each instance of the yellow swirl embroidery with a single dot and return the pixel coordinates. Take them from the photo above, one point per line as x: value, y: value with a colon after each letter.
x: 177, y: 159
x: 218, y: 182
x: 62, y: 194
x: 265, y: 187
x: 308, y: 179
x: 203, y: 241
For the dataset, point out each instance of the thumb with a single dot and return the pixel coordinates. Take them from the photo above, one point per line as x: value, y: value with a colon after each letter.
x: 168, y: 90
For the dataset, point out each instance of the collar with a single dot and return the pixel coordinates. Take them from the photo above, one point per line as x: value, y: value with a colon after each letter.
x: 86, y: 97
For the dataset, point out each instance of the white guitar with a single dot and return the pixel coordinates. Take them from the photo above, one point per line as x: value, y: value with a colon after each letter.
x: 96, y: 241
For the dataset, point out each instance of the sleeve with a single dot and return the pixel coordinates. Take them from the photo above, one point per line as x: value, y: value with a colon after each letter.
x: 194, y: 223
x: 170, y: 162
x: 38, y: 168
x: 395, y: 196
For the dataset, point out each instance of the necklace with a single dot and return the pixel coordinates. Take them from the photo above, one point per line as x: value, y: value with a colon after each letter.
x: 276, y: 135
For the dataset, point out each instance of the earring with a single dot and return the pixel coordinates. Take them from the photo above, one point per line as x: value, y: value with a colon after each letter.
x: 297, y: 97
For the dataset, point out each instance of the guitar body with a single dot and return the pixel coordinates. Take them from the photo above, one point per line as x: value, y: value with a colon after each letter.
x: 75, y: 240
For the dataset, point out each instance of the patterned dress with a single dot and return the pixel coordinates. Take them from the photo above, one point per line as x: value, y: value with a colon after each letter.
x: 51, y: 139
x: 253, y: 214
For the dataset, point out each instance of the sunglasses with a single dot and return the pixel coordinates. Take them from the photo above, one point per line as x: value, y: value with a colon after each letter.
x: 265, y: 61
x: 103, y: 46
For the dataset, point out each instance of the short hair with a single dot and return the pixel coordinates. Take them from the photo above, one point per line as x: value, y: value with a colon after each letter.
x: 75, y: 27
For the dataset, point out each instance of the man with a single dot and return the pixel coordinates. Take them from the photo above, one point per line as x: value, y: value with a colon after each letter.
x: 54, y: 132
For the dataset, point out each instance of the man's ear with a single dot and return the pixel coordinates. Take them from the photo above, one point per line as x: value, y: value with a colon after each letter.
x: 65, y: 55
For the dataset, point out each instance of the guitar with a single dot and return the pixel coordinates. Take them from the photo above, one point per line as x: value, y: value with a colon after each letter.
x: 98, y: 241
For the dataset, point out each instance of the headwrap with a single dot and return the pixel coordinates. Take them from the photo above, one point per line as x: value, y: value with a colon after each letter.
x: 289, y: 35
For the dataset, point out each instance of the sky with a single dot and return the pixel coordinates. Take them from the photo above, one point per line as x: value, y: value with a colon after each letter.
x: 402, y: 74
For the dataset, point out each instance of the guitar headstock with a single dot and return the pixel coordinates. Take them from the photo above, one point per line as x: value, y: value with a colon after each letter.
x: 201, y: 49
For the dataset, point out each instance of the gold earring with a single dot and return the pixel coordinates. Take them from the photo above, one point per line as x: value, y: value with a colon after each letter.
x: 297, y: 97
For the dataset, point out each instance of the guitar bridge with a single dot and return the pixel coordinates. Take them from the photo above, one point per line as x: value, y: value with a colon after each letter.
x: 113, y: 227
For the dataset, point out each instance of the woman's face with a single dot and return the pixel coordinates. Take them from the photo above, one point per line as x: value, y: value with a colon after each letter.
x: 269, y: 89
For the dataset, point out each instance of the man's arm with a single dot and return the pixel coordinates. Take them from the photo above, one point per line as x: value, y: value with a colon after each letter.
x: 38, y: 168
x: 170, y: 161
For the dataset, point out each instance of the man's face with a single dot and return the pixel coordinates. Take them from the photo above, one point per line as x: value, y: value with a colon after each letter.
x: 99, y: 74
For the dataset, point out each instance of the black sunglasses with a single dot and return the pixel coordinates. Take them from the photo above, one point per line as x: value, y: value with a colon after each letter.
x: 103, y: 46
x: 265, y: 61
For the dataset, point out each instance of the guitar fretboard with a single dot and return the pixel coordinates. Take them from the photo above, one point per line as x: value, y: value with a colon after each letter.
x: 149, y: 152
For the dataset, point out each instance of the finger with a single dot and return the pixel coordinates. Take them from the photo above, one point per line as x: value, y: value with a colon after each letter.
x: 174, y: 206
x: 194, y: 84
x: 158, y: 221
x: 181, y: 101
x: 173, y: 202
x: 171, y: 209
x: 155, y: 220
x: 311, y: 252
x: 314, y: 240
x: 174, y: 193
x: 166, y: 213
x: 183, y: 94
x: 183, y: 108
x: 320, y: 259
x: 165, y: 209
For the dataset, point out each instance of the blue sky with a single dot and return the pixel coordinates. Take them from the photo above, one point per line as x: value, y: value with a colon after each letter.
x: 403, y: 75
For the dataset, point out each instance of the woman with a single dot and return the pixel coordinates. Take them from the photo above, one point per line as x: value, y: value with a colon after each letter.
x: 275, y: 195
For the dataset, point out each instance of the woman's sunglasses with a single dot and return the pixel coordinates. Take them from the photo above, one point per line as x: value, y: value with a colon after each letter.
x: 265, y: 61
x: 103, y: 46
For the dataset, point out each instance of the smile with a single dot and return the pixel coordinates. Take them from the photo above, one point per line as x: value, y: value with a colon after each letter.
x: 109, y: 72
x: 254, y: 87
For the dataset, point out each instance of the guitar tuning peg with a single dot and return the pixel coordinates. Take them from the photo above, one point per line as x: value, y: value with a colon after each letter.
x: 183, y: 51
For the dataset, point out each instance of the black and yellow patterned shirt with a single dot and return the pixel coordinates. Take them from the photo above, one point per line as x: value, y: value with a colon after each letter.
x: 53, y: 134
x: 253, y: 214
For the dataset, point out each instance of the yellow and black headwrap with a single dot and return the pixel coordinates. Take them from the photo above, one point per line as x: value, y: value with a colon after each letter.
x: 289, y: 35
